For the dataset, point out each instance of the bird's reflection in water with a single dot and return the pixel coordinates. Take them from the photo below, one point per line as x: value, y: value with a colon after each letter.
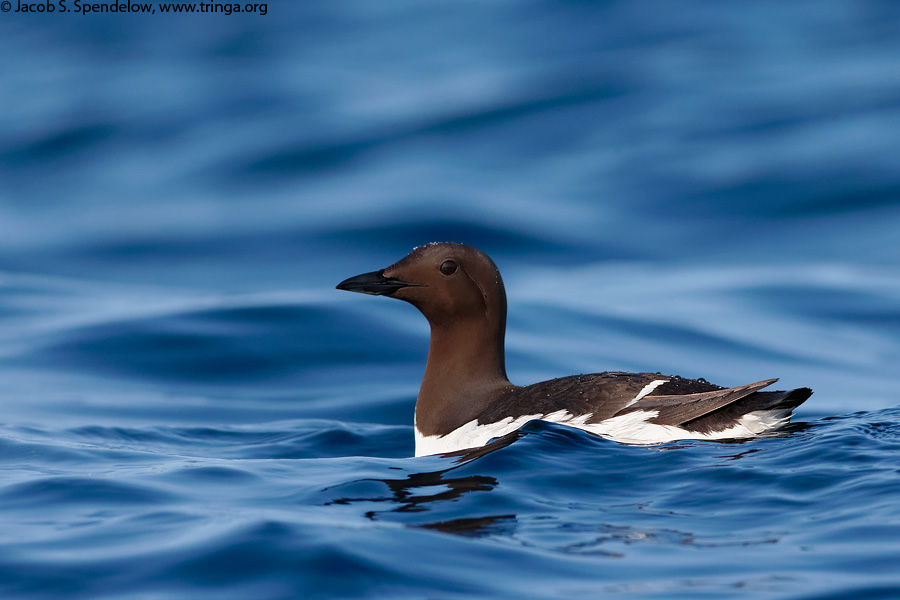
x: 476, y: 527
x: 418, y: 491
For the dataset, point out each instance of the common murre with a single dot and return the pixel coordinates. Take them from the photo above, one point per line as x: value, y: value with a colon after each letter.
x: 466, y: 399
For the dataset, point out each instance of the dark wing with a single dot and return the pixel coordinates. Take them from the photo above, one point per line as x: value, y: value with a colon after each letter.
x: 779, y: 402
x: 679, y: 409
x: 602, y: 395
x: 693, y: 404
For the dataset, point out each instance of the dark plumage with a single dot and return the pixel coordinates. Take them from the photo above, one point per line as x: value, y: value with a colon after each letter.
x: 466, y: 398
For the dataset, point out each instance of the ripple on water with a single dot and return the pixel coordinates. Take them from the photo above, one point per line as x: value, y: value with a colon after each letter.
x: 95, y: 492
x: 224, y: 346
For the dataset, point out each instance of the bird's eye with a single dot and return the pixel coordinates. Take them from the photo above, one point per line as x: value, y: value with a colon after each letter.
x: 448, y: 267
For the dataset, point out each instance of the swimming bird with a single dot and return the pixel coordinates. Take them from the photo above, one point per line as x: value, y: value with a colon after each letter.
x: 466, y: 398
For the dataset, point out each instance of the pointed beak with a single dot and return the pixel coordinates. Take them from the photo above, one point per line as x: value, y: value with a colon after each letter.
x: 374, y: 283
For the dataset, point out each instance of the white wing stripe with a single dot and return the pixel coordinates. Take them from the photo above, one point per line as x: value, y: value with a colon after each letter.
x: 646, y: 390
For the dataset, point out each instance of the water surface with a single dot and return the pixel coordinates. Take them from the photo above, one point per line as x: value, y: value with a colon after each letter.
x: 190, y: 408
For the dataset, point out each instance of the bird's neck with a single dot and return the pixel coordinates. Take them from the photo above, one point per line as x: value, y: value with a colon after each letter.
x: 465, y: 372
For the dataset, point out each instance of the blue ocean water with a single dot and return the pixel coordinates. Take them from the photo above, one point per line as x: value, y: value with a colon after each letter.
x: 188, y: 409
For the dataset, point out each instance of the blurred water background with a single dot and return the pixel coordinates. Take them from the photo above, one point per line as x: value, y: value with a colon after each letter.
x: 189, y: 409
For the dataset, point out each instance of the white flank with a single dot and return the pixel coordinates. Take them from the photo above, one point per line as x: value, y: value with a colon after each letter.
x: 631, y: 428
x: 473, y: 435
x: 765, y: 420
x: 646, y: 390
